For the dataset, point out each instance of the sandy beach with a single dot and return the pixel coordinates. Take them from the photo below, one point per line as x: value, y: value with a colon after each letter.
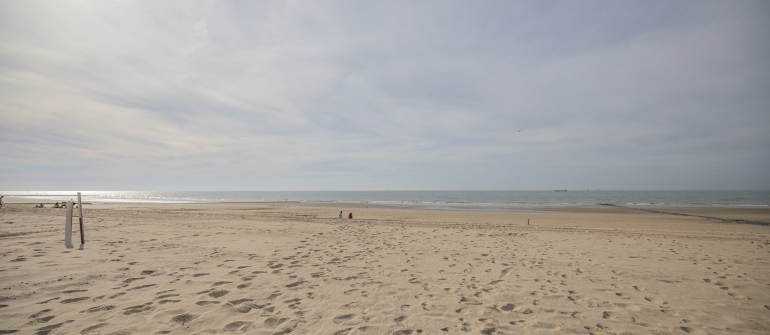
x: 295, y: 268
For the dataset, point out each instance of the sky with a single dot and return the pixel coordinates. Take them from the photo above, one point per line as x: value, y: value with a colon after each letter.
x: 384, y: 95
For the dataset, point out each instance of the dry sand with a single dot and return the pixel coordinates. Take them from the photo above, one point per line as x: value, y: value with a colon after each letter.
x: 286, y: 268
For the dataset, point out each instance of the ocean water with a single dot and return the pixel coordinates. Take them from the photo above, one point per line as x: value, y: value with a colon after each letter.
x: 485, y: 200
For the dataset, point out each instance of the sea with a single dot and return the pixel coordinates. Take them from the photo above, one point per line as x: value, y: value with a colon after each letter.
x: 457, y: 200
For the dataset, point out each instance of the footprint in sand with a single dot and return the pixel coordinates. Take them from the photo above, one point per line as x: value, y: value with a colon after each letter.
x: 98, y: 309
x: 38, y: 314
x: 51, y: 328
x: 738, y: 296
x: 206, y: 303
x: 293, y: 303
x: 345, y: 331
x: 670, y: 312
x: 630, y: 307
x: 137, y: 308
x: 274, y: 295
x: 94, y: 328
x: 74, y: 291
x: 695, y: 331
x: 116, y: 295
x: 163, y: 302
x: 248, y: 307
x: 511, y: 308
x: 654, y: 300
x: 183, y: 318
x: 610, y: 315
x: 295, y: 284
x: 47, y: 301
x: 233, y: 326
x: 141, y: 287
x: 343, y: 319
x: 219, y: 293
x: 41, y: 320
x: 240, y: 301
x: 580, y: 300
x: 599, y: 330
x: 274, y: 321
x: 639, y: 288
x: 546, y: 326
x: 129, y: 280
x: 69, y: 301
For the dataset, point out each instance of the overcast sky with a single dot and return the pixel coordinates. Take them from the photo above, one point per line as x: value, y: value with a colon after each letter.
x: 375, y: 95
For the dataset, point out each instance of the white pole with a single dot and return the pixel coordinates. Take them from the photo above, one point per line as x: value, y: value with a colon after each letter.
x: 80, y: 204
x: 68, y: 226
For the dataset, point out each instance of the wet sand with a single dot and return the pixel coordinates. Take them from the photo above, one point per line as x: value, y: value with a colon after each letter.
x: 288, y: 268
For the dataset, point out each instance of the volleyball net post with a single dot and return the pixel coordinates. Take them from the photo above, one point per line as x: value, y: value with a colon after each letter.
x: 68, y: 224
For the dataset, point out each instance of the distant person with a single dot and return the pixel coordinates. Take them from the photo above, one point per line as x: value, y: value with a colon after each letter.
x: 56, y: 205
x: 340, y: 214
x: 350, y: 216
x: 1, y: 201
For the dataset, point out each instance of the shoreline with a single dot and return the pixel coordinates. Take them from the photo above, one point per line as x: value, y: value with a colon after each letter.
x: 709, y: 214
x: 449, y: 200
x: 403, y: 204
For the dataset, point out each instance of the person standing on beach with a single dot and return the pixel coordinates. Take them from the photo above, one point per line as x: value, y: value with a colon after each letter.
x: 340, y: 214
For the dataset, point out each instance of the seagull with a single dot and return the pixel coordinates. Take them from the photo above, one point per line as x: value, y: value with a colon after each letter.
x: 519, y: 130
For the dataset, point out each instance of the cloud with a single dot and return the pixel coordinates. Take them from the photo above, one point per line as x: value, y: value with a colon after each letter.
x: 289, y: 95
